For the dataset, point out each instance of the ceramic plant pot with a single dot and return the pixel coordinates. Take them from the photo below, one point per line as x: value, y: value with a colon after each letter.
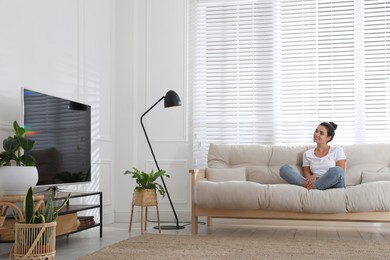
x: 15, y: 180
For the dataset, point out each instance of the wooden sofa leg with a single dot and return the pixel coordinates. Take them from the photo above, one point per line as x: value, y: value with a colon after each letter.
x: 194, y: 225
x: 209, y: 221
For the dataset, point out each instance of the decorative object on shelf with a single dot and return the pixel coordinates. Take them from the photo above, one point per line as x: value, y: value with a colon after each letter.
x: 172, y: 99
x: 35, y: 233
x: 145, y: 194
x: 86, y: 221
x: 15, y: 179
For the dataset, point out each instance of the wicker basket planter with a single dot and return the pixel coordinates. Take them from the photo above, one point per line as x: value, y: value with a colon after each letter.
x: 34, y: 241
x: 145, y: 198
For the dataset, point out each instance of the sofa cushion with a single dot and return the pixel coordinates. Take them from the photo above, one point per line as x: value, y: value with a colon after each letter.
x: 262, y: 162
x: 325, y: 201
x: 365, y: 157
x: 286, y: 197
x: 291, y: 155
x: 299, y: 199
x: 226, y: 174
x: 231, y: 195
x: 224, y: 156
x: 370, y: 196
x: 368, y: 176
x: 263, y: 175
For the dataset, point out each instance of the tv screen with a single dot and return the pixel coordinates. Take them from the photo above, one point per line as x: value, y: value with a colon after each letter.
x: 61, y: 130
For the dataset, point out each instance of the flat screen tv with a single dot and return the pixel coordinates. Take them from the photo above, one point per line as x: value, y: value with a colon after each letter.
x: 61, y: 129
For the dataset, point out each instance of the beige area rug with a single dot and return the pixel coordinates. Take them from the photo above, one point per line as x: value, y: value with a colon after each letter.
x: 158, y: 246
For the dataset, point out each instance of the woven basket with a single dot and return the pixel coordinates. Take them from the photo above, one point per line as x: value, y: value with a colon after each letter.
x: 34, y: 241
x: 145, y: 198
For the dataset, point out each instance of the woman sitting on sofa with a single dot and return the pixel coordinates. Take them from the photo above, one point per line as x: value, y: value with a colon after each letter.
x: 323, y: 166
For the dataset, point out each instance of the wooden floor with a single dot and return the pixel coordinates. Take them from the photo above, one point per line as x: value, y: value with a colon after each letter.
x: 86, y: 242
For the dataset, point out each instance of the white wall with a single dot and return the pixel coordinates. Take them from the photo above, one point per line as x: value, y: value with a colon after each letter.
x: 151, y: 59
x: 63, y: 48
x: 119, y: 56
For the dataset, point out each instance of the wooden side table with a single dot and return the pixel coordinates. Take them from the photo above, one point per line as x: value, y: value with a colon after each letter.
x: 144, y: 199
x: 9, y: 202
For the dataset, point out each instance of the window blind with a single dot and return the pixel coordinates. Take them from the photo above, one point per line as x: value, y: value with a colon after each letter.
x: 232, y: 74
x: 294, y: 59
x: 376, y: 71
x: 269, y: 71
x: 336, y: 55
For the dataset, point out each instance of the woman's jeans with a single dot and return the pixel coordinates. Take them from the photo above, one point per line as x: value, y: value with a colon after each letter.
x: 333, y: 178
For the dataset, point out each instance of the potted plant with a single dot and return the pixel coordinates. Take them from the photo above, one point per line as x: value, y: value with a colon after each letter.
x: 144, y: 194
x: 147, y: 181
x: 15, y: 179
x: 35, y: 231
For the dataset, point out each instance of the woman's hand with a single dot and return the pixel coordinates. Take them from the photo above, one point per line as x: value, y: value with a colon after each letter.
x: 309, y: 183
x: 310, y: 179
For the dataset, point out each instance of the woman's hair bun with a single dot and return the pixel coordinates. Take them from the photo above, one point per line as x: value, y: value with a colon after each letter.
x: 333, y: 125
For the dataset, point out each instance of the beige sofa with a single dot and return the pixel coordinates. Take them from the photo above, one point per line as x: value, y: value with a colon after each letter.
x: 242, y: 181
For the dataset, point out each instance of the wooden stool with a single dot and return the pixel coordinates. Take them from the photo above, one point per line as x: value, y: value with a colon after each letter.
x: 144, y: 198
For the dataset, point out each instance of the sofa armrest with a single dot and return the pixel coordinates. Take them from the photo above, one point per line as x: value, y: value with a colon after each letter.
x: 197, y: 174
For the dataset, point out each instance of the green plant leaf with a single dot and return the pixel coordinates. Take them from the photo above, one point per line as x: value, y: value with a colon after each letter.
x: 62, y: 205
x: 27, y: 160
x: 38, y: 218
x: 48, y: 211
x: 6, y: 158
x: 26, y: 144
x: 148, y: 180
x: 19, y: 131
x: 10, y: 145
x: 28, y: 206
x: 13, y: 148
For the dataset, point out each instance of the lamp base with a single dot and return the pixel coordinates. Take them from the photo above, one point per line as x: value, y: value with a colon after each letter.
x: 170, y: 227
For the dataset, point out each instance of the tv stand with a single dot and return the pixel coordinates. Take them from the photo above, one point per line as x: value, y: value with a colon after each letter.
x: 68, y: 219
x: 68, y: 213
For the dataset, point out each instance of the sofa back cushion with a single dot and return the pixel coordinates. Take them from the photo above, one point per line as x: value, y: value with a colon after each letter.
x: 226, y: 174
x: 368, y: 176
x: 365, y: 158
x: 262, y: 162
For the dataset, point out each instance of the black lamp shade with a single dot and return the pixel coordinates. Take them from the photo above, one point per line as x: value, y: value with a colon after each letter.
x: 172, y: 99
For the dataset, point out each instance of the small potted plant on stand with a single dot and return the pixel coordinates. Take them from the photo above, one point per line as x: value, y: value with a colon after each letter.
x: 144, y: 194
x: 35, y: 233
x: 14, y: 179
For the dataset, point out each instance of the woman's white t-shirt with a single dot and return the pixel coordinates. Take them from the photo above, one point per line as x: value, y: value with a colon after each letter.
x: 320, y: 165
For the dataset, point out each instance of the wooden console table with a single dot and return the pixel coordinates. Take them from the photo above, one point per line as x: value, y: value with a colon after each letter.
x: 10, y: 202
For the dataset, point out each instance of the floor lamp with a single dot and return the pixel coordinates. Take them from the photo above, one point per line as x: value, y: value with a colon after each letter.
x: 171, y: 99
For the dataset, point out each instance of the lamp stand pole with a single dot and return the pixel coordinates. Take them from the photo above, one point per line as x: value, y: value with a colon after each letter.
x: 158, y: 168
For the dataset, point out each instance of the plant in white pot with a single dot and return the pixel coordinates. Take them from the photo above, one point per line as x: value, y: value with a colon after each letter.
x: 17, y: 169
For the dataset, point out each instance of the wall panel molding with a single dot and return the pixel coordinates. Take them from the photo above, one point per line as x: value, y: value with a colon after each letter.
x: 177, y: 184
x: 6, y: 127
x: 154, y: 49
